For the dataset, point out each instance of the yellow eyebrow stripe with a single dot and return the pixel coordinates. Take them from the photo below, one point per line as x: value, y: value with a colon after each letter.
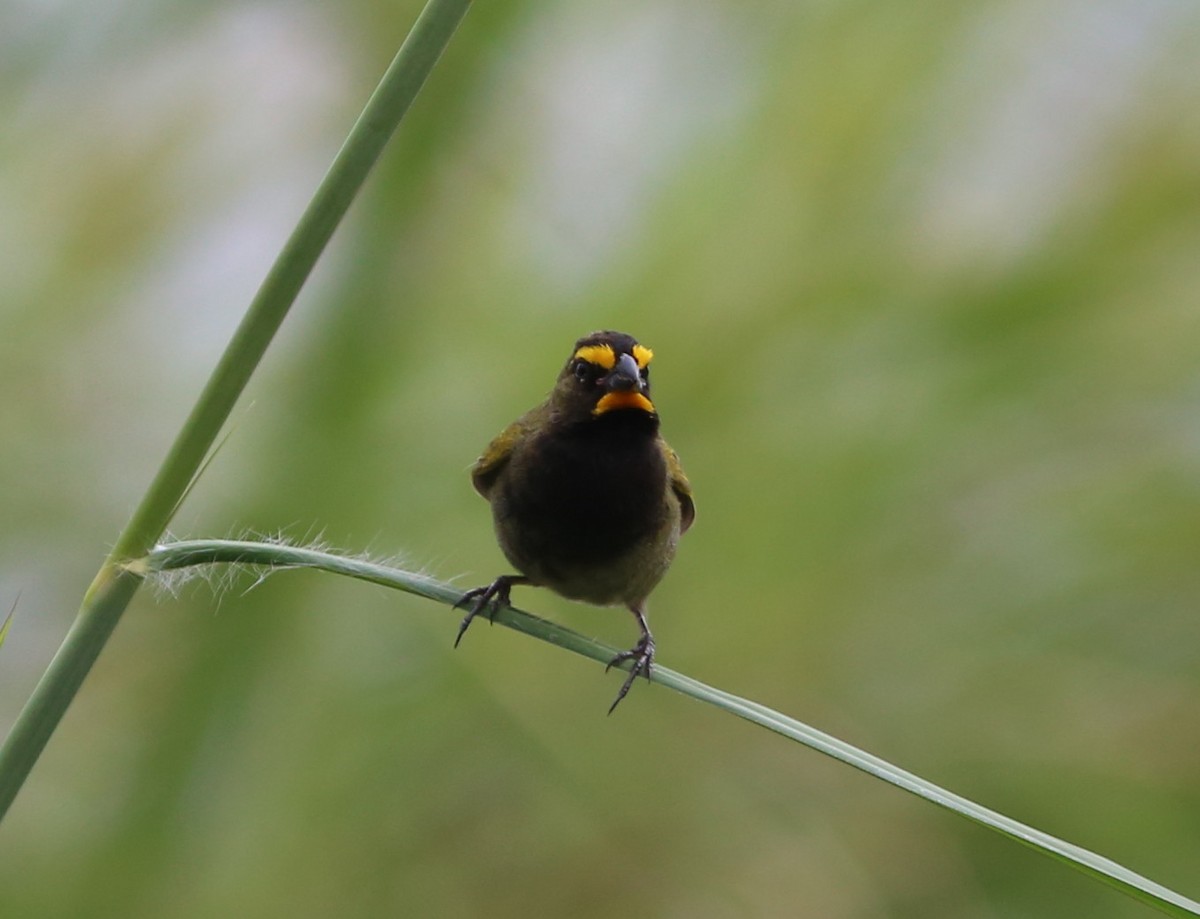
x: 600, y: 355
x: 642, y: 355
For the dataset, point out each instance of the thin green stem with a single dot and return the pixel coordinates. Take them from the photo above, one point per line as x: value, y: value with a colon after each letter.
x: 115, y: 584
x: 190, y: 553
x: 371, y: 132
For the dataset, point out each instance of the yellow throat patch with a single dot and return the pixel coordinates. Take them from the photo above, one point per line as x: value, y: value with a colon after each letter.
x: 622, y: 399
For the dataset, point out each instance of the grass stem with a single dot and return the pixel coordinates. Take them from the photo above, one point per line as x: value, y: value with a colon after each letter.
x: 116, y: 582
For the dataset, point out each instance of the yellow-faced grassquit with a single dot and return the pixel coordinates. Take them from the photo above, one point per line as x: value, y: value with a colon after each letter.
x: 587, y: 498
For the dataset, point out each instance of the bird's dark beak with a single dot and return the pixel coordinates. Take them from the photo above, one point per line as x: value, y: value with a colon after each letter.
x: 624, y: 388
x: 625, y: 376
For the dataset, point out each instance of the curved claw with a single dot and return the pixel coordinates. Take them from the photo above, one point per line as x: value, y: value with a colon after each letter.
x: 489, y: 598
x: 642, y: 655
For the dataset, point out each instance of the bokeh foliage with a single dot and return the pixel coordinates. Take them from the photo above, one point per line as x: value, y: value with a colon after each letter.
x: 923, y: 286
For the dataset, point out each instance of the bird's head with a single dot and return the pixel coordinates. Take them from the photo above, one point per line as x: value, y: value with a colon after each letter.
x: 606, y: 377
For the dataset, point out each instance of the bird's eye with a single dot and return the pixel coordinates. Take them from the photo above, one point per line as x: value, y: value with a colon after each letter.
x: 583, y: 371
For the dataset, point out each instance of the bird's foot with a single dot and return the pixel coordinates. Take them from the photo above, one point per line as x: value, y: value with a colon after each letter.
x: 642, y: 655
x: 489, y: 599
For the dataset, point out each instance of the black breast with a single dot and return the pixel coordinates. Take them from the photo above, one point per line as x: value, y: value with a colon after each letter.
x: 586, y: 495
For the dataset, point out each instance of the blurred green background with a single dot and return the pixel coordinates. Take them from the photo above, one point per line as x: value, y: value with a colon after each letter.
x: 923, y: 281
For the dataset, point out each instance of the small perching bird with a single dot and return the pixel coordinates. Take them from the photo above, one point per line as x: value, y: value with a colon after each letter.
x: 587, y: 498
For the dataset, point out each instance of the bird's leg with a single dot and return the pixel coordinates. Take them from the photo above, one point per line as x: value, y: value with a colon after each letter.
x: 491, y: 598
x: 642, y: 655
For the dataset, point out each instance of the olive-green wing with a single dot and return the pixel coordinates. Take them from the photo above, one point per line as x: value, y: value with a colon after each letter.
x: 682, y: 488
x: 498, y: 452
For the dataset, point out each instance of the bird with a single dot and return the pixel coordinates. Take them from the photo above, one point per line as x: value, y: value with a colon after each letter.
x: 587, y: 498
